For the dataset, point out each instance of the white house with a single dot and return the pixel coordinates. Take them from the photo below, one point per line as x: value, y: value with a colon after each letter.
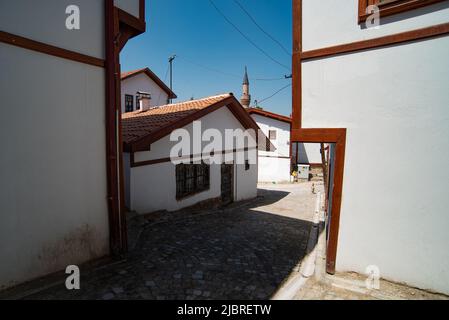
x: 274, y: 165
x: 143, y: 80
x: 380, y: 96
x: 59, y: 186
x: 154, y: 182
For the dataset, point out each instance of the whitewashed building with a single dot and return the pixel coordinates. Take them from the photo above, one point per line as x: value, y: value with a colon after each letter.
x: 145, y: 81
x: 380, y: 96
x: 154, y: 183
x: 59, y: 186
x: 275, y: 164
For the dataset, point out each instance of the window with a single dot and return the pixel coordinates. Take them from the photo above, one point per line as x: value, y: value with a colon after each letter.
x: 129, y: 103
x: 191, y: 179
x: 272, y: 134
x: 247, y: 165
x: 391, y: 7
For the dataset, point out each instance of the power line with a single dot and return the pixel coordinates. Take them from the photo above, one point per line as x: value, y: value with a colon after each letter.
x: 260, y: 27
x: 247, y: 38
x: 270, y: 79
x: 209, y: 68
x: 279, y: 91
x: 226, y: 73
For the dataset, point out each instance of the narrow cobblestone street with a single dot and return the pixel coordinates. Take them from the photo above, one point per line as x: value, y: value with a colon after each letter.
x: 244, y: 251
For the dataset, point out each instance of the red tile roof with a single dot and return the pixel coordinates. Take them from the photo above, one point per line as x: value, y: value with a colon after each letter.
x: 141, y: 128
x: 137, y: 124
x: 152, y: 76
x: 269, y: 114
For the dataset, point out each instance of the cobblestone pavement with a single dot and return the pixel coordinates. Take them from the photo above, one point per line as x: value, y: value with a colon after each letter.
x: 244, y: 251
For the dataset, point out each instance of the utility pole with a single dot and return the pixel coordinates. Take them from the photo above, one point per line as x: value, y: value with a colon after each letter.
x: 170, y: 60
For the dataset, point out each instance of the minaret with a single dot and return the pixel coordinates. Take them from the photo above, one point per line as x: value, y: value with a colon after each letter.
x: 246, y: 97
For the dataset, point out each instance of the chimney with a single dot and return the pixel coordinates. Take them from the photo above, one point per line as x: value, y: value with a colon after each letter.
x: 144, y: 101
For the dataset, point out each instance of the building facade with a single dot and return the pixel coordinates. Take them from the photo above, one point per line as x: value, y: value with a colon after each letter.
x: 378, y: 94
x: 143, y: 81
x: 154, y: 182
x: 58, y: 202
x: 274, y: 164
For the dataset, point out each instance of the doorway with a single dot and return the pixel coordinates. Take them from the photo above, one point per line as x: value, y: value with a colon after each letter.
x: 227, y: 183
x: 334, y: 157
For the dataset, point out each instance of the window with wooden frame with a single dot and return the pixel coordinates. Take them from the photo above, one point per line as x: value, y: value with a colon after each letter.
x: 191, y: 179
x: 272, y: 135
x: 391, y: 7
x: 129, y: 103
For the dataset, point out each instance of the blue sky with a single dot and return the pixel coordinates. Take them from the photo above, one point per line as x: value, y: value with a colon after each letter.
x: 203, y: 40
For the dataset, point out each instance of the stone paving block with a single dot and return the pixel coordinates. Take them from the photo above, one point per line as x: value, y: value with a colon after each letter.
x: 246, y: 251
x: 108, y: 296
x: 117, y: 290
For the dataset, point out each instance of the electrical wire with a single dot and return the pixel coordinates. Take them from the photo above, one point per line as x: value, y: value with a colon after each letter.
x: 209, y: 68
x: 247, y: 38
x: 262, y: 29
x: 274, y: 94
x: 226, y: 73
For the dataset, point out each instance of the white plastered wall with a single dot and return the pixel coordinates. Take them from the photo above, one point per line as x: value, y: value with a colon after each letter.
x: 394, y: 103
x: 45, y: 21
x: 153, y: 187
x: 274, y: 166
x: 142, y: 82
x: 309, y: 153
x: 130, y: 6
x: 274, y: 170
x: 53, y: 208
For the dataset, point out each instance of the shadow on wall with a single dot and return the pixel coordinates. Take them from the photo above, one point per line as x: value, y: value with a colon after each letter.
x: 239, y: 253
x: 303, y: 157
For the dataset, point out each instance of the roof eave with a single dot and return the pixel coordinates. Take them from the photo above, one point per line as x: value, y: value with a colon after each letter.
x: 231, y: 102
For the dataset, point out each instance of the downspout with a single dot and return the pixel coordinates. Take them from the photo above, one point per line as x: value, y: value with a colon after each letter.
x: 116, y: 227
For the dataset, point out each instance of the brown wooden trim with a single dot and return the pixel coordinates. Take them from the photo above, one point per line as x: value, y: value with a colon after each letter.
x: 328, y: 135
x: 119, y: 27
x: 394, y: 39
x: 117, y: 245
x: 130, y: 26
x: 149, y: 162
x: 274, y: 157
x: 338, y: 137
x: 135, y: 164
x: 118, y: 110
x: 363, y: 4
x: 41, y: 47
x: 135, y: 23
x: 393, y: 8
x: 268, y: 114
x: 297, y: 66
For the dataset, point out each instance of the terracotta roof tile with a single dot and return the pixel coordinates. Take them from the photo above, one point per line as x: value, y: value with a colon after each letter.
x: 130, y: 73
x: 137, y: 124
x: 269, y: 114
